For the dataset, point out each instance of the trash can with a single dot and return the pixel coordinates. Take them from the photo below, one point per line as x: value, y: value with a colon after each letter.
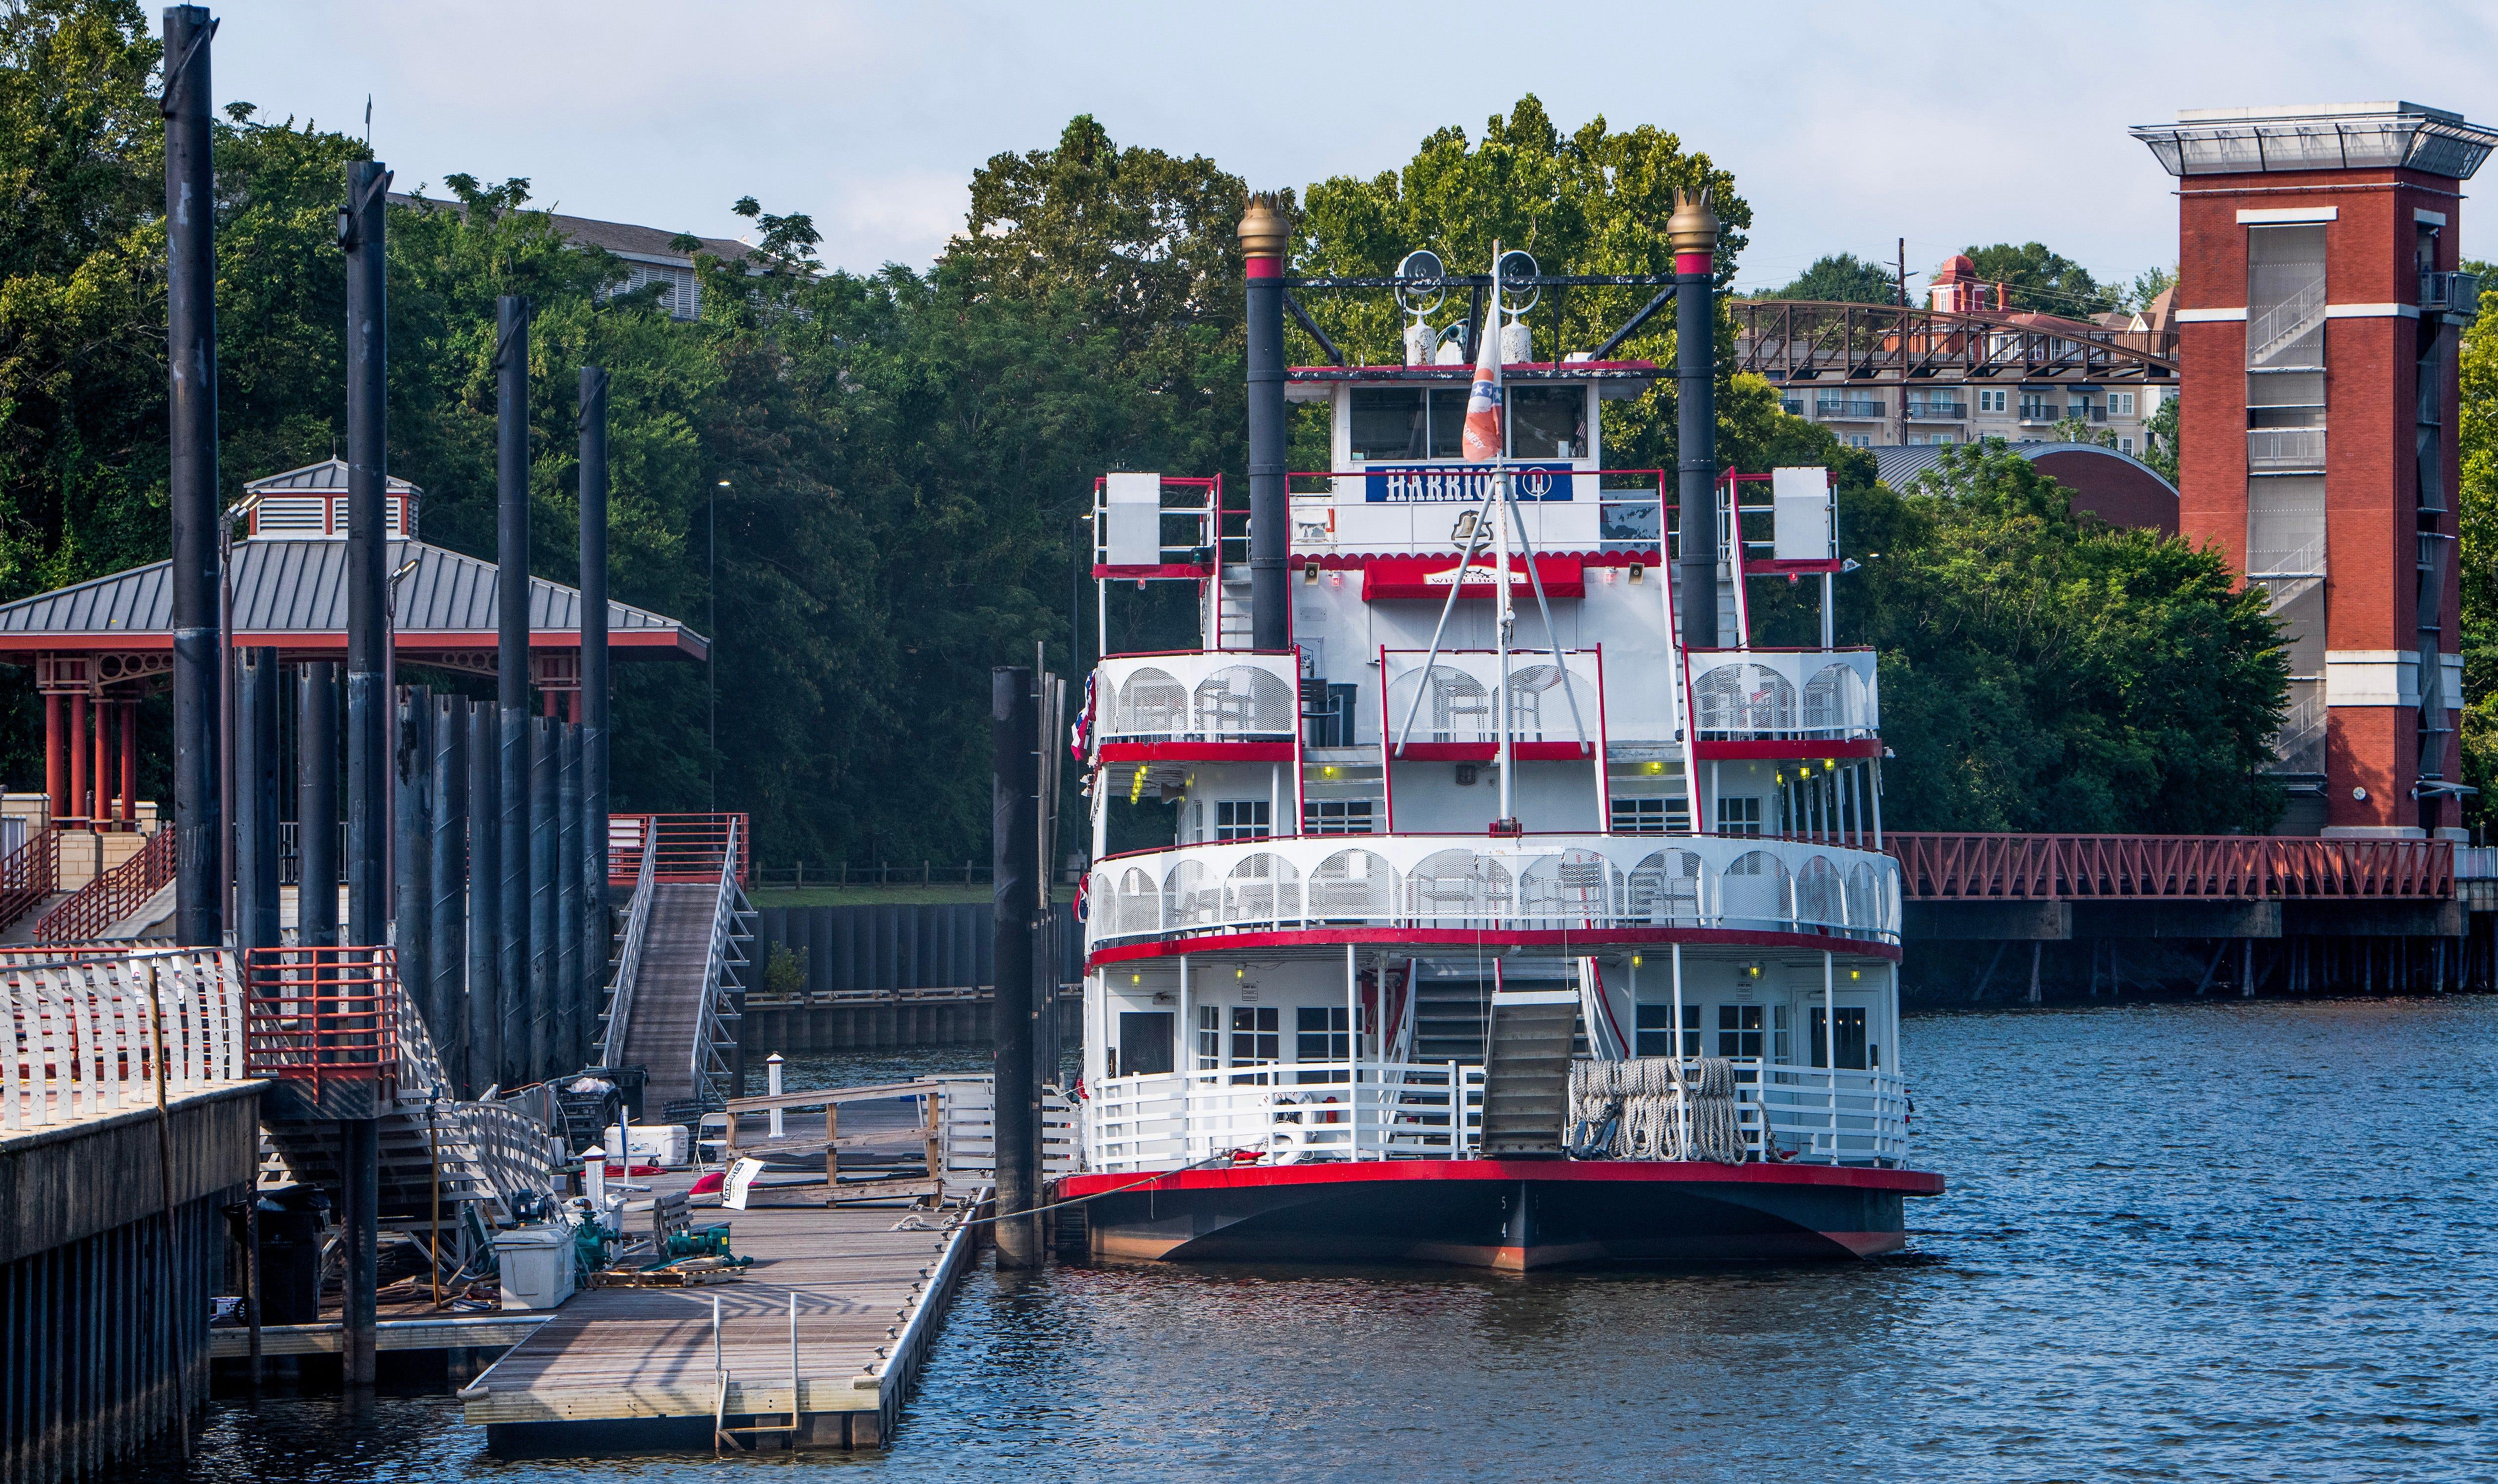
x: 292, y: 1218
x: 536, y: 1264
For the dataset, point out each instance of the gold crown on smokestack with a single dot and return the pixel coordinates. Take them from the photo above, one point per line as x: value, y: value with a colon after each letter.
x: 1262, y: 232
x: 1693, y: 226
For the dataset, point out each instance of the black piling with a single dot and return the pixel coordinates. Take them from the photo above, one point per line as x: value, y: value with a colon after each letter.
x: 412, y: 856
x: 1693, y: 228
x: 578, y: 1013
x: 596, y: 933
x: 1013, y: 727
x: 488, y: 1004
x: 447, y: 909
x: 519, y: 1058
x: 259, y: 692
x: 191, y: 414
x: 316, y: 808
x: 549, y: 1019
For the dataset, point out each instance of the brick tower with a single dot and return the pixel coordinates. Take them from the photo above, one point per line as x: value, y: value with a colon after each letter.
x: 2318, y: 311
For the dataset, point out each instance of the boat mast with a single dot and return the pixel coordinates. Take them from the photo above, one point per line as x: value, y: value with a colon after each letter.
x: 1502, y: 615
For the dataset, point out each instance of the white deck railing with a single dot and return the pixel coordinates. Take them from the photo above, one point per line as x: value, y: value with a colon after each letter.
x: 1307, y: 1112
x: 1549, y: 882
x: 1200, y: 696
x: 83, y: 1033
x: 1460, y: 706
x: 1823, y: 695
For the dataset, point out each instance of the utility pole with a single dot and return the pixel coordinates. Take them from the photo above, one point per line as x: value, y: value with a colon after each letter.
x: 191, y: 396
x: 1903, y: 351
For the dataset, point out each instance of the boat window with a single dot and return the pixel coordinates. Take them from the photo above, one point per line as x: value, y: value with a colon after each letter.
x: 1449, y: 422
x: 1209, y: 1037
x: 1387, y: 423
x: 1145, y: 1042
x: 1321, y: 1033
x: 1738, y: 816
x: 1738, y: 1031
x: 1257, y: 1033
x: 1782, y: 1037
x: 1850, y: 1038
x: 1241, y: 819
x: 1653, y: 1032
x: 1548, y: 421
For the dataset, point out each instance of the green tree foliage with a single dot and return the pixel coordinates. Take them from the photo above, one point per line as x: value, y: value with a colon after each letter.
x: 1844, y: 278
x: 2043, y: 672
x: 2038, y: 278
x: 2477, y: 521
x: 2159, y: 436
x: 2148, y: 286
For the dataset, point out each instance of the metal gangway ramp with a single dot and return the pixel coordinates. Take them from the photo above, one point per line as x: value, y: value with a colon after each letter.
x: 671, y: 1007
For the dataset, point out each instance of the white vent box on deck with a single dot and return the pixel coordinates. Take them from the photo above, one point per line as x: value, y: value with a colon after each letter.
x: 666, y: 1145
x: 1800, y: 504
x: 537, y: 1266
x: 1133, y: 535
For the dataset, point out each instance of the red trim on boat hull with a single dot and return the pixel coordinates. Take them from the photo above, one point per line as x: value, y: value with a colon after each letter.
x: 1584, y: 938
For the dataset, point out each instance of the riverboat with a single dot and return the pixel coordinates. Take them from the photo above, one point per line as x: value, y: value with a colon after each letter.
x: 1506, y: 922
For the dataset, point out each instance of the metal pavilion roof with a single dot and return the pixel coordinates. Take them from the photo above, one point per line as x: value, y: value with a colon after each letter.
x: 293, y: 594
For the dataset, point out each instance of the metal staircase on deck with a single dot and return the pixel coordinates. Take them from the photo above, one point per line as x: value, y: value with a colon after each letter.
x: 671, y: 1009
x: 1527, y: 1078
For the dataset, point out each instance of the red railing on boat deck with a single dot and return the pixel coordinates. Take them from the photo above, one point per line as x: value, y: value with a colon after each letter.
x: 322, y: 1015
x: 693, y: 848
x: 112, y: 895
x: 2148, y: 868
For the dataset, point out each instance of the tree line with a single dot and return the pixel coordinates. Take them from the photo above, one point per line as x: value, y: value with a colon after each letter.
x: 866, y: 485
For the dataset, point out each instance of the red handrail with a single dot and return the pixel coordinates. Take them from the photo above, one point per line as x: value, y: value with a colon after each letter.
x: 691, y: 847
x: 29, y: 875
x: 111, y: 896
x: 322, y: 1015
x: 2152, y: 867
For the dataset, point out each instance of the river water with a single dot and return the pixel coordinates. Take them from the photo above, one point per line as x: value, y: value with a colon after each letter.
x: 2206, y: 1241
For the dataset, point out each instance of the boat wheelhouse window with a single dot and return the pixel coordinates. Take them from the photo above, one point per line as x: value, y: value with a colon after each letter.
x: 1652, y: 1032
x: 1738, y: 1031
x: 1241, y: 819
x: 1547, y: 422
x: 1648, y: 816
x: 1209, y: 1037
x: 1321, y: 1033
x: 1850, y: 1038
x: 1449, y: 422
x: 1738, y: 816
x: 1145, y: 1042
x: 1337, y: 816
x: 1388, y: 423
x: 1257, y: 1033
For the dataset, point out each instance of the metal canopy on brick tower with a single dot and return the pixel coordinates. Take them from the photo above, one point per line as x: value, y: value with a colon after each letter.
x: 2319, y: 303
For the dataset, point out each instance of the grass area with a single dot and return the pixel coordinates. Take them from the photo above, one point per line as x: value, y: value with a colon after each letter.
x: 912, y: 895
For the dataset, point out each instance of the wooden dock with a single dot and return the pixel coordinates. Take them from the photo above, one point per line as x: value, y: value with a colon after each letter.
x: 814, y: 1346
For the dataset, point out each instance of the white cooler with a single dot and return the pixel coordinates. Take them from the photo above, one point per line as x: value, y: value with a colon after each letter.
x: 536, y: 1264
x: 666, y: 1145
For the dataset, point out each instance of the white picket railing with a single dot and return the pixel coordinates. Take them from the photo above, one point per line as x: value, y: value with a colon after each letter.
x: 82, y: 1032
x: 967, y: 1141
x: 1773, y: 694
x: 1199, y: 696
x: 1302, y: 1112
x: 1573, y: 882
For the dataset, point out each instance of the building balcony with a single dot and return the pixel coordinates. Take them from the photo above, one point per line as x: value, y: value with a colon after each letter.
x: 2286, y: 450
x: 1196, y: 703
x: 1785, y: 702
x: 1849, y: 409
x: 1937, y: 412
x: 1441, y: 888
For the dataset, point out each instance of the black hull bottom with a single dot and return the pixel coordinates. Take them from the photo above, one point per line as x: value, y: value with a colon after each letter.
x: 1512, y: 1216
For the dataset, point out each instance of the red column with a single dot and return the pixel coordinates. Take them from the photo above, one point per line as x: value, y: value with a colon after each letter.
x: 78, y: 755
x: 572, y: 708
x: 103, y: 761
x: 130, y: 763
x: 56, y: 782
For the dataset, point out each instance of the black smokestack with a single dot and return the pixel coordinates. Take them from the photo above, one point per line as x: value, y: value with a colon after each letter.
x: 1263, y: 236
x: 1693, y: 228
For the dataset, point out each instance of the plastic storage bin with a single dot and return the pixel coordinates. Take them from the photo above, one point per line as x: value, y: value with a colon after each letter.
x: 536, y: 1263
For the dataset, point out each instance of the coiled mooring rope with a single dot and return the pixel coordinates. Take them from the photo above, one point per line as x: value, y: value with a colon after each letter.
x: 1643, y: 1101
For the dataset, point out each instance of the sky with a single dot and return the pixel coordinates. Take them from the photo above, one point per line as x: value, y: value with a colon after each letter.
x: 1848, y: 127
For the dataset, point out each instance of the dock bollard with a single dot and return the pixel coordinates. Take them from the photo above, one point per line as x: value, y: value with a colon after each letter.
x: 593, y: 1177
x: 772, y: 1080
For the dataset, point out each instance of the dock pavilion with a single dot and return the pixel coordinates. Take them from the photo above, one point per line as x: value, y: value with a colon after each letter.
x: 100, y: 647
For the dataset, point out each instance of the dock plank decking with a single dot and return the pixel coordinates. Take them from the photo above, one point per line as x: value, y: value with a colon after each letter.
x: 621, y: 1368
